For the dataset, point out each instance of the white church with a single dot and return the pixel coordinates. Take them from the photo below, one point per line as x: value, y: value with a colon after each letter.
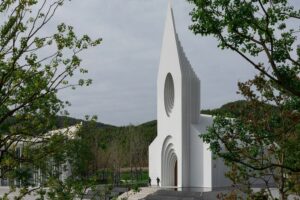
x: 178, y: 156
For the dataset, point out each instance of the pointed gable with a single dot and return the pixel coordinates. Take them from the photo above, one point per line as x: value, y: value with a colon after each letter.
x: 172, y: 48
x: 169, y: 59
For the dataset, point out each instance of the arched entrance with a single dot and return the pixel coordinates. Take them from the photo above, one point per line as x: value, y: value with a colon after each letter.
x: 169, y: 164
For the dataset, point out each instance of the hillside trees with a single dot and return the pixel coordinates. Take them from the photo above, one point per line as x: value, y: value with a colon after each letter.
x: 260, y: 145
x: 34, y: 65
x: 118, y: 149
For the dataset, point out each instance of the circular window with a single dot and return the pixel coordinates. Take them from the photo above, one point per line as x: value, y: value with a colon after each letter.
x: 169, y: 94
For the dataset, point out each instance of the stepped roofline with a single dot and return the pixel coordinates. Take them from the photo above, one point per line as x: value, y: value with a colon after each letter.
x: 185, y: 64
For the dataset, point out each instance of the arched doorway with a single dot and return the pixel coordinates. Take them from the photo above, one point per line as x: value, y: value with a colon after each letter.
x: 169, y: 164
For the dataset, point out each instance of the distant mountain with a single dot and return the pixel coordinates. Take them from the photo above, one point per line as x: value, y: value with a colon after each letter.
x: 232, y: 108
x: 149, y: 124
x: 128, y: 144
x: 59, y: 122
x: 64, y: 121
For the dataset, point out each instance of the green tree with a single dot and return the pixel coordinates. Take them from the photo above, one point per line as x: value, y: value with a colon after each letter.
x: 79, y: 154
x: 34, y: 66
x: 260, y: 145
x: 264, y: 29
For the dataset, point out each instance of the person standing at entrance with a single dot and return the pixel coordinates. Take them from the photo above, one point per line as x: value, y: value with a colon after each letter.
x: 149, y: 181
x: 157, y: 180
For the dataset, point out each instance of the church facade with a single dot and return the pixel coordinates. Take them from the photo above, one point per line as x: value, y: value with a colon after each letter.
x: 178, y: 156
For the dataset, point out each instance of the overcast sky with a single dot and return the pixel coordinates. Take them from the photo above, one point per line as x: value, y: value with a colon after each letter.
x: 124, y: 67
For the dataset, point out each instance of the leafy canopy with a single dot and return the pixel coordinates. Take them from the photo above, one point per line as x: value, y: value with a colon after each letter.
x: 260, y: 145
x: 35, y: 64
x: 263, y: 32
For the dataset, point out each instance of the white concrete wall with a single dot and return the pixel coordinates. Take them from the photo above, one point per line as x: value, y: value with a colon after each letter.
x: 206, y: 172
x: 66, y: 171
x: 168, y: 125
x: 155, y: 160
x: 196, y: 162
x: 205, y: 121
x: 206, y: 162
x: 218, y: 174
x: 190, y: 111
x: 214, y: 170
x: 178, y: 128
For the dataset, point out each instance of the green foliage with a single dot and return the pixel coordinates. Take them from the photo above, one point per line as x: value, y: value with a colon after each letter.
x: 34, y: 66
x: 260, y: 142
x: 252, y: 29
x: 136, y: 188
x: 120, y: 147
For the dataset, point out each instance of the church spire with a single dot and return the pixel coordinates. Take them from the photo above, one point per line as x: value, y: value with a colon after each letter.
x: 170, y: 22
x: 170, y: 3
x: 171, y: 42
x: 169, y: 49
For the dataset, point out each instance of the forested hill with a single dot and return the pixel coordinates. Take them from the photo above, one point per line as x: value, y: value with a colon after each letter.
x: 59, y: 122
x: 127, y: 146
x: 63, y: 121
x: 232, y: 108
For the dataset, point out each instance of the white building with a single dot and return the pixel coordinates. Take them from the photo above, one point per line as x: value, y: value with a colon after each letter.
x: 37, y: 177
x: 178, y: 156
